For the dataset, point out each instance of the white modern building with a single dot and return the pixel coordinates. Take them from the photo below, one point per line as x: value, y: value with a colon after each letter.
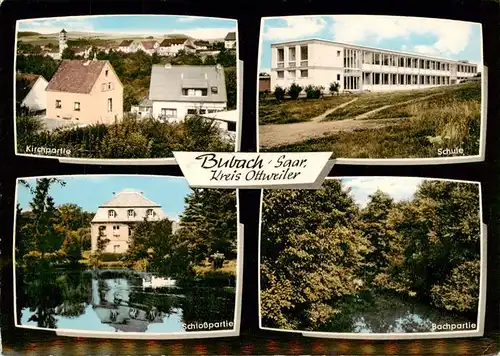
x: 176, y: 91
x: 358, y: 68
x: 115, y: 220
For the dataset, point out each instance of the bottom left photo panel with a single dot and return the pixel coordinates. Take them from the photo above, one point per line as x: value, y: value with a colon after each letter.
x: 126, y: 256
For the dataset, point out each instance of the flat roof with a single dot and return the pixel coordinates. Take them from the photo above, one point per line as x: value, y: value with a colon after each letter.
x: 371, y: 48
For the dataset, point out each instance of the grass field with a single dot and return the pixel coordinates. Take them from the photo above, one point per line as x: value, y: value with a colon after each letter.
x: 272, y: 111
x: 415, y: 130
x: 371, y: 101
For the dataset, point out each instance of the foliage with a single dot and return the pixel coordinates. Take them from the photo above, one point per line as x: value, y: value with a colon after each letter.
x: 294, y: 91
x: 68, y: 53
x: 37, y: 64
x: 312, y: 253
x: 231, y: 87
x: 314, y: 92
x: 334, y: 88
x: 279, y: 93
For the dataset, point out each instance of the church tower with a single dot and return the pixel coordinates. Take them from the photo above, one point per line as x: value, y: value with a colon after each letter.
x: 63, y: 42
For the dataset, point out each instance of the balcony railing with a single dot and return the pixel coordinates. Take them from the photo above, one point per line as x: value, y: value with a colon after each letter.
x: 303, y: 63
x: 292, y: 64
x: 281, y: 65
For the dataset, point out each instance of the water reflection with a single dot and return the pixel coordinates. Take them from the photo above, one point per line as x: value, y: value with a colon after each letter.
x: 117, y: 301
x: 384, y: 312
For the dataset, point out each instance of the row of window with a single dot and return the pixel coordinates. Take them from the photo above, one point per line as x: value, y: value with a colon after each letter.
x: 403, y: 79
x: 292, y: 54
x: 76, y: 105
x: 116, y: 230
x: 172, y: 113
x: 303, y: 73
x: 107, y: 86
x: 130, y: 213
x: 199, y: 92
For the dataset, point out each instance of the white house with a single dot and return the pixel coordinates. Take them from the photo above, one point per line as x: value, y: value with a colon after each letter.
x: 201, y: 45
x: 149, y: 47
x: 128, y: 46
x: 143, y: 109
x: 115, y: 220
x: 34, y: 85
x: 177, y: 91
x: 172, y: 46
x: 230, y: 40
x: 357, y: 68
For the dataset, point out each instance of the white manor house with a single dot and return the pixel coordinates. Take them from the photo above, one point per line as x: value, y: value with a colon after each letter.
x: 320, y: 62
x: 115, y: 220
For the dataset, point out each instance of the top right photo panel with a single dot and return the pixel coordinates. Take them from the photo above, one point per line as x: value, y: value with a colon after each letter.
x: 387, y: 89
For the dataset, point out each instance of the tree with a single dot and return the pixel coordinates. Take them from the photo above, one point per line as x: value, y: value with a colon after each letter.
x: 209, y: 225
x: 72, y: 248
x: 73, y: 217
x: 279, y: 93
x: 68, y: 53
x: 209, y: 60
x: 334, y: 88
x: 226, y: 58
x: 231, y: 87
x: 37, y: 64
x: 312, y: 253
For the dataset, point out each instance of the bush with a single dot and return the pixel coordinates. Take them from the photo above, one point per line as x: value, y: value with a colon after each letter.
x: 111, y: 257
x: 294, y: 91
x: 279, y: 93
x: 314, y: 92
x: 334, y: 88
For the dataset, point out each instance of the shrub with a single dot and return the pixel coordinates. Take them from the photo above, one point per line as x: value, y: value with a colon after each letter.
x: 334, y: 88
x: 314, y: 92
x: 279, y: 93
x: 111, y: 257
x: 294, y: 91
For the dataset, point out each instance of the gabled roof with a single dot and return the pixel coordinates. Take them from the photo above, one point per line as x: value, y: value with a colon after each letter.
x: 76, y: 76
x: 30, y: 79
x: 231, y: 36
x: 63, y: 31
x: 149, y: 44
x: 201, y: 43
x: 167, y: 83
x: 129, y: 198
x: 126, y: 43
x: 172, y: 41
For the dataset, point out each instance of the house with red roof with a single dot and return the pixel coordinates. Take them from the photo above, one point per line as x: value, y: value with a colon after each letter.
x: 149, y: 47
x: 85, y: 92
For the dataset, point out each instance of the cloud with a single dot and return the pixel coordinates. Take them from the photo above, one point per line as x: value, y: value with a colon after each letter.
x: 46, y: 26
x: 295, y: 27
x: 187, y: 19
x: 399, y: 188
x: 450, y: 36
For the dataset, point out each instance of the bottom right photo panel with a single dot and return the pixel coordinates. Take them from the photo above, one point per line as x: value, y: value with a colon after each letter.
x: 374, y: 258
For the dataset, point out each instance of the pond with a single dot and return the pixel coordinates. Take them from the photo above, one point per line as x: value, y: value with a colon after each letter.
x: 386, y: 312
x: 119, y: 301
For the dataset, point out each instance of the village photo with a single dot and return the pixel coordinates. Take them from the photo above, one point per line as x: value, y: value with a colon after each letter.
x: 374, y: 257
x: 131, y: 254
x: 118, y: 87
x: 372, y: 87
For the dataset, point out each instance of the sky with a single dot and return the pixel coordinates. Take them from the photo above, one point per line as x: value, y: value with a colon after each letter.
x: 440, y: 37
x: 91, y: 191
x: 399, y: 188
x: 157, y: 25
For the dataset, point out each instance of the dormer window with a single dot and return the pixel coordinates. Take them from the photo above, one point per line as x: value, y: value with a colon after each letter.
x: 150, y: 213
x: 111, y: 213
x: 215, y: 90
x: 194, y: 92
x: 131, y: 213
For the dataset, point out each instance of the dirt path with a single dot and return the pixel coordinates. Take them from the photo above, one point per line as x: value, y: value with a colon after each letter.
x: 329, y: 111
x: 285, y: 134
x: 369, y: 113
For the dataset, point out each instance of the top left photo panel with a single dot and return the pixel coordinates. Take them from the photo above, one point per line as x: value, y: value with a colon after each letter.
x: 126, y: 88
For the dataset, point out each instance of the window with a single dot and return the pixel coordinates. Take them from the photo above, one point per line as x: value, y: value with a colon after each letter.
x: 281, y: 54
x: 191, y: 111
x: 116, y: 227
x: 376, y: 58
x: 194, y: 92
x: 102, y: 228
x: 110, y: 86
x: 215, y: 90
x: 291, y: 74
x: 203, y: 111
x: 106, y: 73
x: 58, y: 104
x: 169, y: 112
x: 131, y: 213
x: 281, y: 74
x: 116, y: 248
x: 150, y: 213
x: 112, y: 214
x: 338, y: 76
x: 338, y: 53
x: 77, y: 106
x: 304, y: 53
x: 104, y: 86
x: 110, y: 105
x: 304, y: 73
x: 231, y: 126
x: 291, y: 54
